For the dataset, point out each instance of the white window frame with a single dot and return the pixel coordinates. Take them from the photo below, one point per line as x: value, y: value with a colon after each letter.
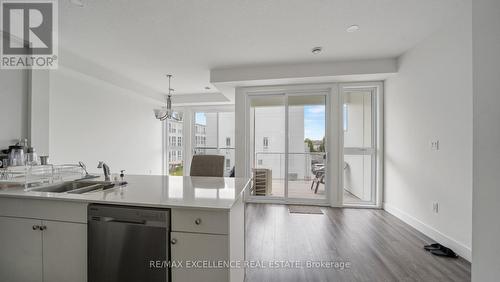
x: 345, y: 116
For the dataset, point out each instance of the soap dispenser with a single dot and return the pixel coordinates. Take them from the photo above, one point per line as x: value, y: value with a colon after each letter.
x: 122, y: 175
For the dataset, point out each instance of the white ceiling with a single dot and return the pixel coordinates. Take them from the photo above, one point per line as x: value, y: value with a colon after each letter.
x: 143, y: 40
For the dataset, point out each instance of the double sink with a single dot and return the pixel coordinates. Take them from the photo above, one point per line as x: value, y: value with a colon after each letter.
x: 75, y: 187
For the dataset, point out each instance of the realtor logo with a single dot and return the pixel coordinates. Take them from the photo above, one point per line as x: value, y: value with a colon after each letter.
x: 29, y: 34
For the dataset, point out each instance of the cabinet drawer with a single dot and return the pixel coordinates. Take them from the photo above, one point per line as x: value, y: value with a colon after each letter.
x: 44, y: 209
x: 213, y: 222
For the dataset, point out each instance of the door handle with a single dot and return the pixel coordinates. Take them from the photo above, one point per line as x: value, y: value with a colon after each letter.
x: 173, y: 241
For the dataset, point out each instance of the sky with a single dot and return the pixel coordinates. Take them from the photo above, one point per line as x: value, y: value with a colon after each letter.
x: 314, y: 122
x: 201, y: 118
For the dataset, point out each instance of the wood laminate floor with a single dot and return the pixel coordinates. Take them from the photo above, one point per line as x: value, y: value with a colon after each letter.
x: 377, y: 245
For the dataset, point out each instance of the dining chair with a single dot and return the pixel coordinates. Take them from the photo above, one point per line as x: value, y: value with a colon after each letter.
x: 207, y: 165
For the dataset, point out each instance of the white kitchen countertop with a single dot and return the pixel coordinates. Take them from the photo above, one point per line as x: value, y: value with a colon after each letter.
x: 154, y: 191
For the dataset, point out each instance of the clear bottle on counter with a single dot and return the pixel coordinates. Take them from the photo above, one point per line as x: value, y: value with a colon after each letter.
x: 31, y: 157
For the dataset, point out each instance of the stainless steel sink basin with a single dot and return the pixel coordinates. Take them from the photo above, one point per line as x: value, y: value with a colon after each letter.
x: 75, y: 187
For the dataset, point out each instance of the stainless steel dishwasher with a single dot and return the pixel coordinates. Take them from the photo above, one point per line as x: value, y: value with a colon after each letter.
x: 128, y: 244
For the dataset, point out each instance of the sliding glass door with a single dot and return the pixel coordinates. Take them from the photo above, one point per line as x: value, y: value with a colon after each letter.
x: 288, y: 146
x: 315, y: 144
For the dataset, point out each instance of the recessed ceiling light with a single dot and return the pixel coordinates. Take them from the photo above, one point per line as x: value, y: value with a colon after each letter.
x: 353, y: 28
x: 207, y: 88
x: 316, y: 50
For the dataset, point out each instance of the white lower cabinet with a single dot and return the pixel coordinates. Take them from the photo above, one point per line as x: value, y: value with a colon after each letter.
x: 195, y: 251
x: 21, y: 250
x: 46, y: 241
x: 42, y: 250
x: 64, y: 251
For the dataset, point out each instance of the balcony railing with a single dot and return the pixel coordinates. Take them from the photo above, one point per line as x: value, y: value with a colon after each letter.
x: 300, y: 165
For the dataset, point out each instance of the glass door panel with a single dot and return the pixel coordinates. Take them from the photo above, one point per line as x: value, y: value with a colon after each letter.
x: 226, y: 140
x: 214, y: 135
x: 359, y: 147
x: 267, y: 137
x: 175, y: 145
x: 306, y: 168
x: 357, y: 178
x: 205, y: 133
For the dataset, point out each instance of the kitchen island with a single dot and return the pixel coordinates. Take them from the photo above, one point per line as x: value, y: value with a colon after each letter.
x: 44, y: 235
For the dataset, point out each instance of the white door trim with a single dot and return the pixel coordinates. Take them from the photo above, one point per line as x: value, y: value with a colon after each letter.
x: 377, y: 141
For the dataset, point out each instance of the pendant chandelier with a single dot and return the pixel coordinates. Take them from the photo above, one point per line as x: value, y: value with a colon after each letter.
x: 166, y: 111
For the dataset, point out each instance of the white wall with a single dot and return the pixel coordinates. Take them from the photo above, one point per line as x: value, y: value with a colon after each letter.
x: 92, y: 120
x: 431, y: 99
x: 486, y: 174
x: 13, y: 106
x: 39, y: 111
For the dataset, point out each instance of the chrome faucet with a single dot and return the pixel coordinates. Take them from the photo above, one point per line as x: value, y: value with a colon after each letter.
x: 84, y: 167
x: 106, y: 170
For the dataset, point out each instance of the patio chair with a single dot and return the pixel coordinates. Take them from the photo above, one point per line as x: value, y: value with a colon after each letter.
x: 319, y: 177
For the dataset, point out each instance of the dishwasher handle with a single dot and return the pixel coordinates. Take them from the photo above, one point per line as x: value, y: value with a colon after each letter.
x: 127, y: 221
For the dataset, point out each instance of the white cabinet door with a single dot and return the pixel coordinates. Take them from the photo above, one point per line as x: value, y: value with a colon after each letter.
x: 191, y: 248
x: 20, y: 250
x: 64, y: 251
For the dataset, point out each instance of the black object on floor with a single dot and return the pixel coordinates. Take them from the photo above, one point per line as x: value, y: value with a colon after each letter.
x: 440, y: 250
x: 435, y: 246
x: 444, y: 252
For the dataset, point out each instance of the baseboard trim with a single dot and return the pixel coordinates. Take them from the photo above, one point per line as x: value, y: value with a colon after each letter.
x: 431, y: 232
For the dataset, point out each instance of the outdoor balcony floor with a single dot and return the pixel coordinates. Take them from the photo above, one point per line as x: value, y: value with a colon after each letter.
x: 302, y: 189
